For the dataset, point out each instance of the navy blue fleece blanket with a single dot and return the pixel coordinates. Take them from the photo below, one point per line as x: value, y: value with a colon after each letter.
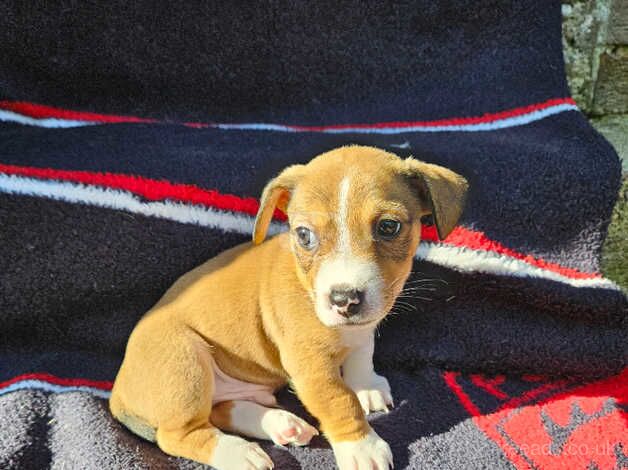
x: 135, y: 139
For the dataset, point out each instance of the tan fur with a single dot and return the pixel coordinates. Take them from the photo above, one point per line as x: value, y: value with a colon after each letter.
x: 251, y: 308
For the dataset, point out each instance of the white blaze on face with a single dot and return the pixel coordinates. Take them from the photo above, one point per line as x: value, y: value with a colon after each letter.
x: 343, y: 268
x: 342, y: 218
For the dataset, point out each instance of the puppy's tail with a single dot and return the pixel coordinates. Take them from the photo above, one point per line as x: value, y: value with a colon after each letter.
x: 134, y: 423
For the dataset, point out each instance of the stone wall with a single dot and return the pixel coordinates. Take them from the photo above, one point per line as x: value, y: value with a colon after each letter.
x: 595, y: 42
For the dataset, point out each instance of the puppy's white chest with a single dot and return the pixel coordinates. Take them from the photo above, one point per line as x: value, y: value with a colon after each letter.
x: 357, y: 338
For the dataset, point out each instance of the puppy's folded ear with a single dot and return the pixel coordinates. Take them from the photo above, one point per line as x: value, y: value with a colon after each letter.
x: 443, y: 190
x: 276, y: 194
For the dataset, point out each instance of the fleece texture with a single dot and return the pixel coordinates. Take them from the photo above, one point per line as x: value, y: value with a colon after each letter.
x: 135, y: 140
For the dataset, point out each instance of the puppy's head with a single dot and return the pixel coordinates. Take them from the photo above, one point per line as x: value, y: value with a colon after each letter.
x: 354, y: 216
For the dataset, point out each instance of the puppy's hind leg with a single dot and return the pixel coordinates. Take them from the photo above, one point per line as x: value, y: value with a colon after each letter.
x: 205, y: 443
x: 183, y: 407
x: 254, y: 420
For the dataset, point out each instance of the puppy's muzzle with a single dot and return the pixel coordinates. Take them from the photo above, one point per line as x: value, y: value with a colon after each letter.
x: 346, y: 300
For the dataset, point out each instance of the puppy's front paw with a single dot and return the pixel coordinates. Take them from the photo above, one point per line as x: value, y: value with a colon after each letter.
x: 370, y: 452
x: 374, y: 394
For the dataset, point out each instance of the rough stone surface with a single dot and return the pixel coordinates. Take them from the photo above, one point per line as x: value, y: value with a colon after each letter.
x: 611, y: 88
x: 618, y: 23
x: 615, y: 252
x: 583, y: 31
x: 615, y: 129
x: 596, y: 63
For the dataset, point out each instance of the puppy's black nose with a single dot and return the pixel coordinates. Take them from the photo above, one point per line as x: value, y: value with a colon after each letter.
x: 346, y: 298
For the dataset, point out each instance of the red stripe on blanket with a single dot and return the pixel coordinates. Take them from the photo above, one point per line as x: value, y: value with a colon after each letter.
x: 534, y: 394
x: 457, y: 121
x: 551, y: 427
x: 477, y: 240
x: 39, y: 111
x: 154, y: 190
x: 490, y: 385
x: 451, y: 379
x: 53, y: 379
x: 163, y: 190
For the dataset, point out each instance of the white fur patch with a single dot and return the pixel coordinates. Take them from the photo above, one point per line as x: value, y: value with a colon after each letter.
x: 342, y: 268
x: 360, y: 339
x: 235, y: 453
x: 344, y: 241
x: 372, y: 390
x: 357, y: 274
x: 280, y: 426
x: 360, y: 455
x: 283, y: 427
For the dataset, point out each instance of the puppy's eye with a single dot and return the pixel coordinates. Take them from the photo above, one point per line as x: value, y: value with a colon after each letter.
x: 306, y: 238
x: 387, y: 229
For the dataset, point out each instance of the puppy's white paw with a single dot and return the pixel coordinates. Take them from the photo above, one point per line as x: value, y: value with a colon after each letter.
x: 369, y: 453
x: 284, y: 428
x: 235, y: 453
x: 374, y: 394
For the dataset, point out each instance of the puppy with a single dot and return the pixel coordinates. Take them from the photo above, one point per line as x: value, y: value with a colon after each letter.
x: 300, y: 308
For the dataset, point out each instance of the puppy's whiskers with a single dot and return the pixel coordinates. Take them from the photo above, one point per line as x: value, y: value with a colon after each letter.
x: 426, y: 281
x: 414, y: 297
x: 417, y: 289
x: 401, y: 304
x: 395, y: 281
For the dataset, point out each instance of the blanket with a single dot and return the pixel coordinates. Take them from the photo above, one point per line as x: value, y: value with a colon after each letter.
x: 135, y: 139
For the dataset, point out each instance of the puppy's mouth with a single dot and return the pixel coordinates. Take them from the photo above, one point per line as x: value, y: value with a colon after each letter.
x: 361, y: 324
x: 360, y: 316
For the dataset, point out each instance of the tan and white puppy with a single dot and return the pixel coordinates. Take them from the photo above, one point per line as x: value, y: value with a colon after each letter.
x: 298, y: 308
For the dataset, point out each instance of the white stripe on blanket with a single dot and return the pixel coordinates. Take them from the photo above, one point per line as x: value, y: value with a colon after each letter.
x: 31, y: 384
x: 527, y: 118
x: 458, y: 258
